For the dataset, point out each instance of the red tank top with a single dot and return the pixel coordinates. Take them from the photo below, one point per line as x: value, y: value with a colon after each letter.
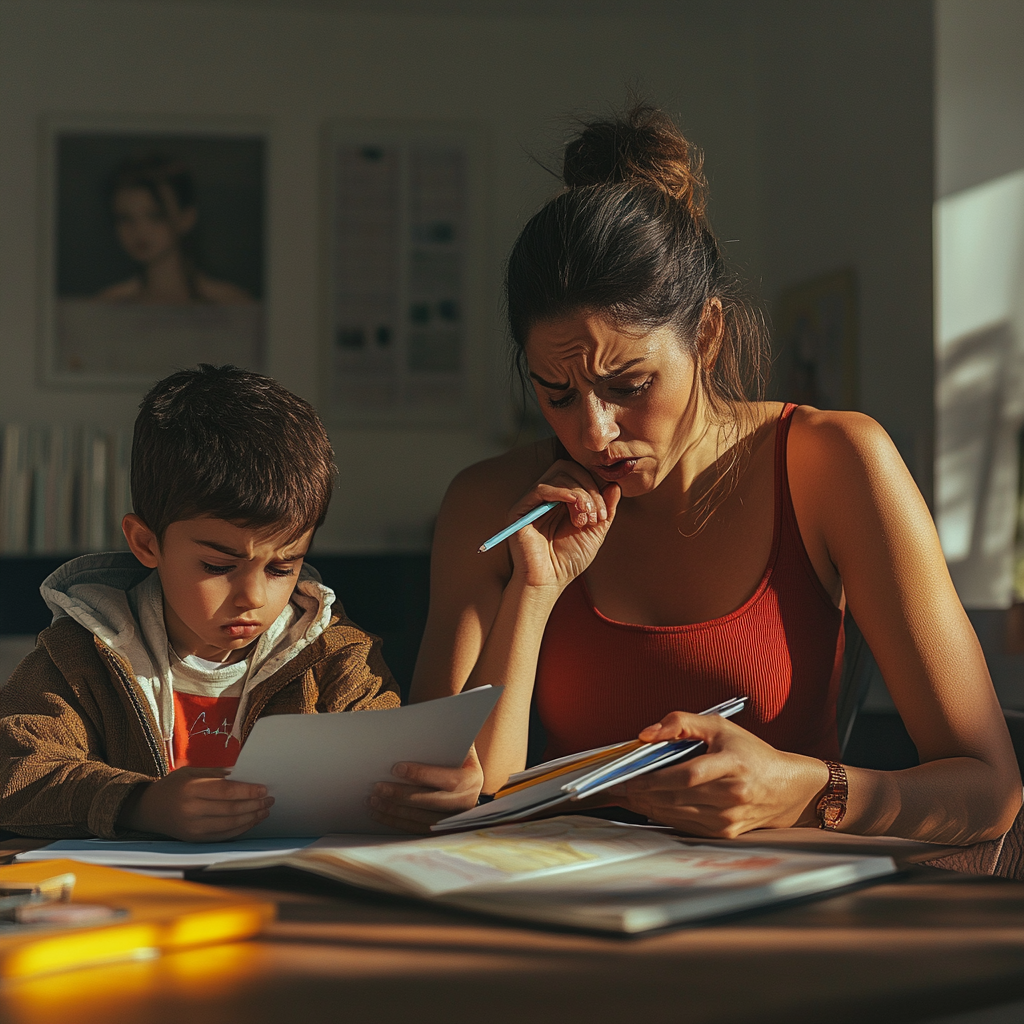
x: 600, y: 681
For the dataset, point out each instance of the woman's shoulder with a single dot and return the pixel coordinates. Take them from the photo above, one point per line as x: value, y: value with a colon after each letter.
x: 123, y: 291
x: 507, y: 475
x: 827, y: 435
x: 223, y: 293
x: 486, y: 490
x: 842, y: 456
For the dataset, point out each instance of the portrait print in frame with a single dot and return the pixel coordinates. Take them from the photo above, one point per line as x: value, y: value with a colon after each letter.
x: 156, y: 251
x: 816, y: 325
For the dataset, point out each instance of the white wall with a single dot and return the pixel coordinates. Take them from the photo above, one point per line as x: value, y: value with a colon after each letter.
x: 845, y: 125
x: 979, y: 92
x: 979, y: 175
x: 295, y: 65
x: 815, y: 114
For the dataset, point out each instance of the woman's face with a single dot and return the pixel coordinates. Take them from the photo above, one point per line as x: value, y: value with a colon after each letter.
x: 147, y: 230
x: 623, y: 404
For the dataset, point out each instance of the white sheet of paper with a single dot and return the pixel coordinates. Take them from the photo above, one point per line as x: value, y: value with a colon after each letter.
x: 161, y: 853
x: 320, y: 768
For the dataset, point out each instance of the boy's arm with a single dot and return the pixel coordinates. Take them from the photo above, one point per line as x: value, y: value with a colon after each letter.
x: 54, y: 783
x: 355, y: 677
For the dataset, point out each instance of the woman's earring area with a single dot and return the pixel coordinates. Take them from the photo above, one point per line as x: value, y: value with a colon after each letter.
x: 710, y: 333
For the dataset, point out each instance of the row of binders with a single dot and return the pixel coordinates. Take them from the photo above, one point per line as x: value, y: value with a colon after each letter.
x: 63, y: 488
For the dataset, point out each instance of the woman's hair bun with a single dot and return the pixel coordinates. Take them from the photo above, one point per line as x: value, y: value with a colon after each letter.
x: 643, y: 145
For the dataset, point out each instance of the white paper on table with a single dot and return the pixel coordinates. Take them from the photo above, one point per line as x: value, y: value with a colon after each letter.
x: 161, y: 853
x: 320, y: 768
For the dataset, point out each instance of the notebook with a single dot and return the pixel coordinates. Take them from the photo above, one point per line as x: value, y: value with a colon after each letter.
x: 570, y: 779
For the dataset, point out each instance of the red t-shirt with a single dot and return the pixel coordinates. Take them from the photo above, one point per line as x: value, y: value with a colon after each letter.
x: 202, y: 731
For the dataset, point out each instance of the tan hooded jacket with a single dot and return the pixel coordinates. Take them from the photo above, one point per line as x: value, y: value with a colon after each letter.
x: 78, y: 733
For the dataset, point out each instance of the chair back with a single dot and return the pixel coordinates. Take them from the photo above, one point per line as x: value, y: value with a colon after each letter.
x: 859, y: 667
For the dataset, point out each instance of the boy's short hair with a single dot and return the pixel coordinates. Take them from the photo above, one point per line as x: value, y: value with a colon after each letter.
x: 227, y: 443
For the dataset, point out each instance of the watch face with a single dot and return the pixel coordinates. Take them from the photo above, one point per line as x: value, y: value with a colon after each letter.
x: 832, y: 813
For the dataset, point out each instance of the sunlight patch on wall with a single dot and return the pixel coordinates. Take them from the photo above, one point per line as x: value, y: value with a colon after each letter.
x: 979, y: 255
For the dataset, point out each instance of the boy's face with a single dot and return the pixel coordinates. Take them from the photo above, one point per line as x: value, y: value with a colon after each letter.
x: 224, y: 585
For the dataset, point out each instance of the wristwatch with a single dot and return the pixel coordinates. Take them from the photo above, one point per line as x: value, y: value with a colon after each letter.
x: 832, y: 805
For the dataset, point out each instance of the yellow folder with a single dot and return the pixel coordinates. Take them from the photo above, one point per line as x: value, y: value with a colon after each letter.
x: 162, y: 915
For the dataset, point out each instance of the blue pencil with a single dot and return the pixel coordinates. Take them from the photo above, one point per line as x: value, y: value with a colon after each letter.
x: 531, y: 516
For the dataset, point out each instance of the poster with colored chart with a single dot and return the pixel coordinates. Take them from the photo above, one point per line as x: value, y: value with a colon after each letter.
x: 400, y: 245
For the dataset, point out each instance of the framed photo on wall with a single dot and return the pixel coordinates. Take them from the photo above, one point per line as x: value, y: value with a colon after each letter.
x: 153, y: 253
x: 403, y: 269
x: 816, y: 326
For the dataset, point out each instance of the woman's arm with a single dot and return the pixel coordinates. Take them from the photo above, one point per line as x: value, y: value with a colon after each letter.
x: 487, y: 618
x: 867, y: 531
x: 488, y: 611
x: 466, y: 589
x: 880, y: 537
x: 484, y: 625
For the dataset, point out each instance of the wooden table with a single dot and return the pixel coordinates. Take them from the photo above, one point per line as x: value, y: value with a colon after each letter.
x: 926, y: 944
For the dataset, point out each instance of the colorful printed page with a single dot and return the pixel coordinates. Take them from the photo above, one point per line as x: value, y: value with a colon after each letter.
x: 687, y: 883
x: 582, y: 872
x: 483, y: 858
x: 496, y: 857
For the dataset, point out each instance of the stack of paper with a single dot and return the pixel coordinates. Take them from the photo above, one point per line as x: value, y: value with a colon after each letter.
x: 160, y: 854
x: 568, y: 778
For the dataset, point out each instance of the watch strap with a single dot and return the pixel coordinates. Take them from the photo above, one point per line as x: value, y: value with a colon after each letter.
x: 831, y: 807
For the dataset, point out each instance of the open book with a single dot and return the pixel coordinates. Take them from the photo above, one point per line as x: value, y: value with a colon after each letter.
x: 581, y: 872
x: 572, y: 778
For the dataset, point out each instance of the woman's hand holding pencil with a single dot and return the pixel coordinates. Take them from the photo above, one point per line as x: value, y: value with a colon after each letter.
x: 531, y: 517
x: 551, y: 546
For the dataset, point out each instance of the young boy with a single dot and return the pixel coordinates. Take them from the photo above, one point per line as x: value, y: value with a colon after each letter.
x: 136, y: 700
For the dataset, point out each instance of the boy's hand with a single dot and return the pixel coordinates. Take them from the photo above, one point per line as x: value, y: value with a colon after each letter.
x: 427, y: 794
x: 198, y: 805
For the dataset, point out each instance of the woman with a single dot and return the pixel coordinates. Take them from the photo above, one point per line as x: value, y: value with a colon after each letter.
x: 153, y: 201
x: 707, y: 544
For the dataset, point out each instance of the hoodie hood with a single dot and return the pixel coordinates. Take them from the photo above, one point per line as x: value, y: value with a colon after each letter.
x: 121, y: 603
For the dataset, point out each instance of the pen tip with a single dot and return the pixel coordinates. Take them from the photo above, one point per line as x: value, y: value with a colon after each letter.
x: 482, y: 549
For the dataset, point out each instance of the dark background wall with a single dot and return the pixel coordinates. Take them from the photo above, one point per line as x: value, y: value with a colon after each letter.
x: 817, y: 117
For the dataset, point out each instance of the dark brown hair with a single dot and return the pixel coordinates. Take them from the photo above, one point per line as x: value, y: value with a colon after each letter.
x: 160, y: 175
x: 227, y: 443
x: 169, y: 184
x: 629, y: 239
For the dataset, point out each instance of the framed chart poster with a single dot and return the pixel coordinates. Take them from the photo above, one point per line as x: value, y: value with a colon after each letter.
x: 403, y: 255
x: 153, y: 255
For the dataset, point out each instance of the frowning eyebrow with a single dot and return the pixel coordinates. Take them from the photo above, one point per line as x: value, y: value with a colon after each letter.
x: 614, y: 372
x: 231, y: 553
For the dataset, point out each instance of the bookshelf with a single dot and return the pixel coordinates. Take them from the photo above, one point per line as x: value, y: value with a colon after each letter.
x: 62, y: 488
